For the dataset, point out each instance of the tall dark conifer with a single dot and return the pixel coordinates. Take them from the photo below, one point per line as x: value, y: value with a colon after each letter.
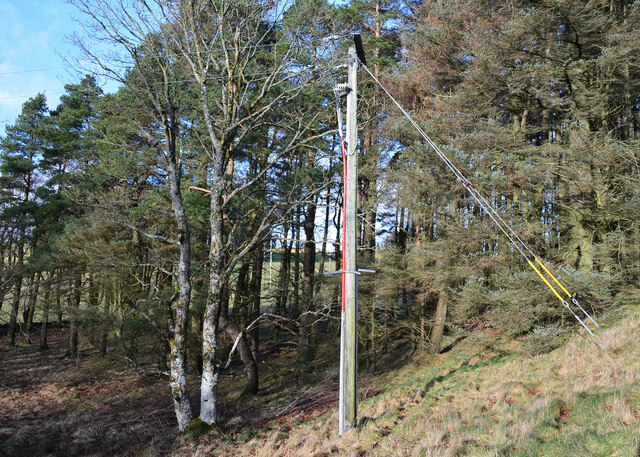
x: 21, y: 150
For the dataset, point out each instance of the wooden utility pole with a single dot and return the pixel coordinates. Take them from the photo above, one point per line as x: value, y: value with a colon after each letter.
x: 349, y: 323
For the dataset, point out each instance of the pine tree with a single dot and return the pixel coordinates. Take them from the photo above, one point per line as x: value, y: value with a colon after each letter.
x: 21, y: 150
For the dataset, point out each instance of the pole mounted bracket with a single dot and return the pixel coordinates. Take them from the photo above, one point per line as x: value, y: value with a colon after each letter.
x: 358, y: 272
x: 339, y: 272
x: 341, y: 90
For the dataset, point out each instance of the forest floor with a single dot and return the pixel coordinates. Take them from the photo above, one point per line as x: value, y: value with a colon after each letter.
x: 477, y: 399
x: 55, y: 405
x: 51, y: 404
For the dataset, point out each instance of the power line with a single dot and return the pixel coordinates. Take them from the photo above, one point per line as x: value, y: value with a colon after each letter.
x: 211, y: 51
x: 178, y: 81
x: 299, y: 41
x: 29, y: 96
x: 190, y: 80
x: 30, y: 71
x: 242, y: 75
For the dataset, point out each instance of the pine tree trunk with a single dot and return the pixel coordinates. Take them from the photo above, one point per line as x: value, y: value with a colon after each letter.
x: 443, y: 301
x: 295, y: 309
x: 244, y: 348
x: 104, y: 331
x: 17, y: 291
x: 370, y: 226
x: 31, y: 306
x: 58, y: 301
x: 239, y: 296
x: 3, y: 249
x: 27, y: 298
x: 44, y: 345
x: 373, y: 346
x: 256, y: 291
x: 245, y: 353
x: 579, y: 248
x: 308, y: 270
x: 440, y: 319
x: 74, y: 309
x: 323, y: 249
x: 283, y: 281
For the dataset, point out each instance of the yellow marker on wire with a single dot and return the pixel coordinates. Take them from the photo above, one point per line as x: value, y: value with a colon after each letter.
x: 545, y: 280
x: 573, y: 299
x: 554, y: 278
x: 565, y: 303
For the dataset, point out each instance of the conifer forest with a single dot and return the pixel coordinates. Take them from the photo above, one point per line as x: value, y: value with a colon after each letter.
x: 164, y: 246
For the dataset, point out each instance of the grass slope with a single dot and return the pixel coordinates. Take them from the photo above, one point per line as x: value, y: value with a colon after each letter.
x: 576, y: 400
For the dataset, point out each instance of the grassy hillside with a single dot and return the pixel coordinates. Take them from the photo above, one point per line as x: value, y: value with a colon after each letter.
x: 472, y: 401
x: 486, y: 396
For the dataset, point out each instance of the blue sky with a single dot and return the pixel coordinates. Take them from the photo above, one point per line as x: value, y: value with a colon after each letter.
x: 32, y: 38
x: 33, y: 41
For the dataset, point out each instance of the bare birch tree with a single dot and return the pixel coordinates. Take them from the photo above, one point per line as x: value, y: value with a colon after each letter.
x: 125, y: 45
x: 245, y: 67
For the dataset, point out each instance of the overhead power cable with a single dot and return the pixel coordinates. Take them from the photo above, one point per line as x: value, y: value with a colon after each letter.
x: 504, y: 227
x: 34, y: 70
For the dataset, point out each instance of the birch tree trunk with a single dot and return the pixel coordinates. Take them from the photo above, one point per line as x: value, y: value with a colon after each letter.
x: 178, y: 341
x: 210, y: 361
x: 156, y: 95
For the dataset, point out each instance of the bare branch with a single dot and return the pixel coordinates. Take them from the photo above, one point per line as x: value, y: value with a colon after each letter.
x: 147, y: 234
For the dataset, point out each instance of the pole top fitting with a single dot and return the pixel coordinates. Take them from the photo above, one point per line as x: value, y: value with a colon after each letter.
x: 357, y: 40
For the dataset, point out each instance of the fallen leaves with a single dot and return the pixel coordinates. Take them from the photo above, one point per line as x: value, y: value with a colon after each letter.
x: 564, y: 414
x: 511, y: 400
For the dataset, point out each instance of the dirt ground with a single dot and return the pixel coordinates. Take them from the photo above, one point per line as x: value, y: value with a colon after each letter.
x: 52, y: 405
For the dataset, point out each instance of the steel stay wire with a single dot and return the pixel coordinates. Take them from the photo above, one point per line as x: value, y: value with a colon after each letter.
x: 464, y: 181
x: 508, y: 231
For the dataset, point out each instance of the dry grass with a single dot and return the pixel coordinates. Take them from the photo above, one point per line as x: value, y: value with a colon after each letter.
x: 576, y: 400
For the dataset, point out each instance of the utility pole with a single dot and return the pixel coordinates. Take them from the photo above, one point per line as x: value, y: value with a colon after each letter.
x: 349, y: 323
